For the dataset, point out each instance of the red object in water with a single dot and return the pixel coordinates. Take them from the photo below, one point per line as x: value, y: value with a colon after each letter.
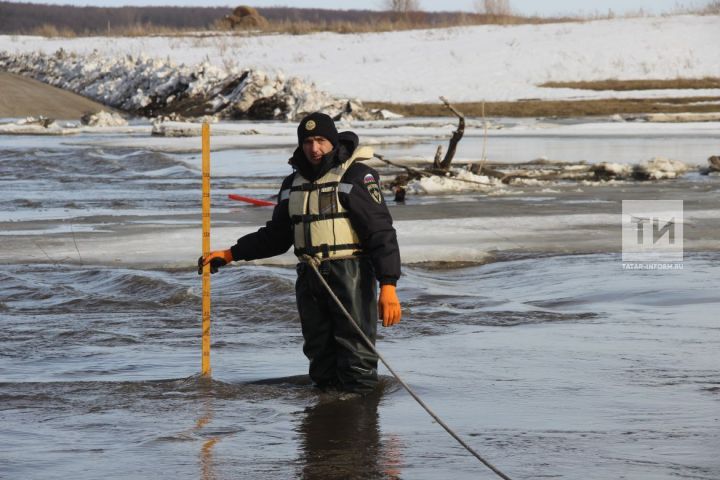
x: 253, y: 201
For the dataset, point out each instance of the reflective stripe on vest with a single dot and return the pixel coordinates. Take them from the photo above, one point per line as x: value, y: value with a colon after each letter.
x: 321, y: 227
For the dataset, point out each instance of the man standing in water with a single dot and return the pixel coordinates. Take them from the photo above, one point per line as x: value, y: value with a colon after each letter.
x: 331, y: 208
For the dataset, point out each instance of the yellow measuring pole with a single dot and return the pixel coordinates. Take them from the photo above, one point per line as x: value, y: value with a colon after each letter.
x: 205, y: 368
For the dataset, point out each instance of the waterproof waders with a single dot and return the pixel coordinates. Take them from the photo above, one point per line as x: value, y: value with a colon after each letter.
x: 338, y: 356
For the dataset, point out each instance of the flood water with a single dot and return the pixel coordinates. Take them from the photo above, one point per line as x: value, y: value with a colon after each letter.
x: 589, y: 148
x: 550, y: 365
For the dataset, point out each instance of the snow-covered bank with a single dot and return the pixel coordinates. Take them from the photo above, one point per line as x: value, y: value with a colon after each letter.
x: 466, y: 64
x: 151, y: 87
x: 171, y: 136
x: 98, y: 122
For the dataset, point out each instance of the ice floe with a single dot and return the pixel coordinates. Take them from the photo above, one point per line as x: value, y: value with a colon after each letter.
x: 658, y: 168
x: 462, y: 180
x: 103, y: 119
x: 540, y: 173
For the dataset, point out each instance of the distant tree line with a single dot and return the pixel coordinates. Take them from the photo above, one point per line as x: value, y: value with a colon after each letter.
x: 28, y: 17
x: 25, y: 18
x: 66, y: 20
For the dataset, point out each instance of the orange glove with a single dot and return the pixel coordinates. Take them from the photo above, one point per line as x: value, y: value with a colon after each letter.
x: 216, y: 259
x: 389, y: 306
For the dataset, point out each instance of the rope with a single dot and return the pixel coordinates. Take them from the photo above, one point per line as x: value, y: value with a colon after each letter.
x: 314, y: 262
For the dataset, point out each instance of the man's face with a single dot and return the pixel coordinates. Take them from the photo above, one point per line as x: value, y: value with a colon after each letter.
x: 315, y: 147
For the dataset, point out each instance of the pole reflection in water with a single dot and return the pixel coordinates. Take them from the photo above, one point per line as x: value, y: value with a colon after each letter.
x: 340, y: 438
x: 207, y: 471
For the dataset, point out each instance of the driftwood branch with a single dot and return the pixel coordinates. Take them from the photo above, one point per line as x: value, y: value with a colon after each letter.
x: 417, y: 172
x: 410, y: 170
x: 456, y: 136
x: 439, y: 167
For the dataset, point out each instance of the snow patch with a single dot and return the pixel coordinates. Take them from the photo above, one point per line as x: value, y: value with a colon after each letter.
x: 528, y: 182
x: 682, y: 117
x: 162, y: 127
x: 418, y: 65
x: 35, y: 126
x: 103, y: 119
x: 607, y: 170
x: 659, y: 168
x: 460, y: 180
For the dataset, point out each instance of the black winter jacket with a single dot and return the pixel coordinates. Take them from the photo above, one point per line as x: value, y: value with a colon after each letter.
x: 370, y: 219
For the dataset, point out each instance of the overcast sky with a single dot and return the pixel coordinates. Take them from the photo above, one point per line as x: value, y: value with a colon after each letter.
x: 542, y: 7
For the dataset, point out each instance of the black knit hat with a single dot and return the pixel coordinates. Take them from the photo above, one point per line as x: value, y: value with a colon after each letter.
x: 317, y: 125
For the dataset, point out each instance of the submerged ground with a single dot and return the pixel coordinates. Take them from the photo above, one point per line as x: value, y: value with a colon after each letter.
x: 544, y: 353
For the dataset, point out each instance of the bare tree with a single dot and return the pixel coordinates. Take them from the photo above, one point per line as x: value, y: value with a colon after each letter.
x: 402, y: 6
x: 493, y: 7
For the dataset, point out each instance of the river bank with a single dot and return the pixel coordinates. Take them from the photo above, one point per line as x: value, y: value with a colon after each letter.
x: 25, y: 97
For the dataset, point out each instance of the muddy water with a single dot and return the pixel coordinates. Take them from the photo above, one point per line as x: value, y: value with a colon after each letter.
x: 545, y: 365
x: 551, y: 366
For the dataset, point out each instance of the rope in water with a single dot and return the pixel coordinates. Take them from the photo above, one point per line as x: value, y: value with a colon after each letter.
x: 313, y: 262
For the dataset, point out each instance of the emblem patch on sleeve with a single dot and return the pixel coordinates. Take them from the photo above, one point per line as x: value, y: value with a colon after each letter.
x: 372, y: 187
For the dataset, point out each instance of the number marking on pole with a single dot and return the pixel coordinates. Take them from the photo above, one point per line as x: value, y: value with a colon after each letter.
x: 205, y: 366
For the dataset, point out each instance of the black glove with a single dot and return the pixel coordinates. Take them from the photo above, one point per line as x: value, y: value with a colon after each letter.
x: 216, y: 259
